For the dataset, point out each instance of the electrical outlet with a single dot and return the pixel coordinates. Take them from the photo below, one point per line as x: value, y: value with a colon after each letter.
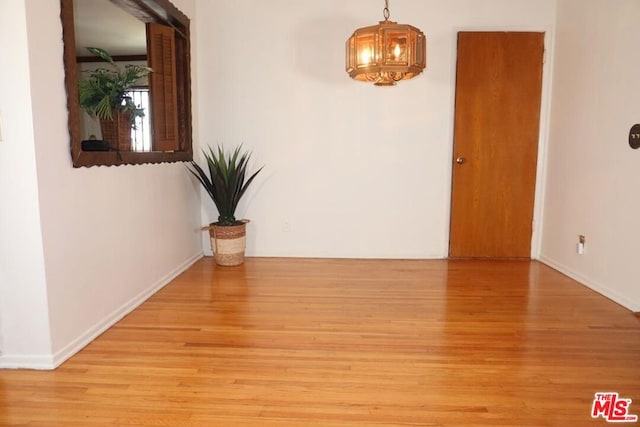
x: 580, y: 246
x: 286, y: 226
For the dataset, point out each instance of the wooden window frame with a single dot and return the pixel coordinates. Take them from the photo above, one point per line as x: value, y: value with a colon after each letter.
x: 155, y: 11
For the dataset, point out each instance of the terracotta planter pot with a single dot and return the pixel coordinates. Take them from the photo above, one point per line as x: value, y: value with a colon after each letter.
x: 228, y: 243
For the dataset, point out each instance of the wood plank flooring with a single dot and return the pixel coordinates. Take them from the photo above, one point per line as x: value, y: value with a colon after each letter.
x: 310, y: 342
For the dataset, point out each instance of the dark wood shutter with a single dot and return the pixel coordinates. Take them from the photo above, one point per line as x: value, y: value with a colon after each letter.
x: 162, y: 85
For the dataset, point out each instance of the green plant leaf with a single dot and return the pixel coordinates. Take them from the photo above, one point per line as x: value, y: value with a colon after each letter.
x: 105, y: 91
x: 226, y: 181
x: 103, y: 54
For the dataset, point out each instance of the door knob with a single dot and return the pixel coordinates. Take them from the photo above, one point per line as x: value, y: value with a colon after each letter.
x: 460, y: 160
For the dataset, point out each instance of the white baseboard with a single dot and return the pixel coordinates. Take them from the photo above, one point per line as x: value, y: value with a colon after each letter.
x: 53, y: 361
x: 28, y: 361
x: 593, y: 285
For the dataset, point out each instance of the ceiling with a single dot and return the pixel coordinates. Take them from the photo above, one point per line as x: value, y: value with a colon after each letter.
x: 100, y: 23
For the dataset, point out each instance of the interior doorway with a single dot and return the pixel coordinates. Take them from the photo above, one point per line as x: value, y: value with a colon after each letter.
x: 496, y: 130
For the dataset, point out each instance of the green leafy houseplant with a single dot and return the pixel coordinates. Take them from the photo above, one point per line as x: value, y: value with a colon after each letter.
x: 104, y: 91
x: 226, y: 181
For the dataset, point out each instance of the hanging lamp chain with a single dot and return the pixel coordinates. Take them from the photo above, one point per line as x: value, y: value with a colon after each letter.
x: 385, y: 11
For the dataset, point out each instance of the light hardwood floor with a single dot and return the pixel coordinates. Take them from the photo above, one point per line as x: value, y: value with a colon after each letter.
x: 308, y: 342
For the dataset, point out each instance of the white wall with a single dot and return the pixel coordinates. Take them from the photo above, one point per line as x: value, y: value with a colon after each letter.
x: 355, y: 170
x: 111, y: 236
x: 593, y: 175
x: 24, y: 316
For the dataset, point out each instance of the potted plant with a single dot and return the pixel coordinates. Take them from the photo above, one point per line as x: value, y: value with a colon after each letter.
x: 226, y: 183
x: 104, y: 94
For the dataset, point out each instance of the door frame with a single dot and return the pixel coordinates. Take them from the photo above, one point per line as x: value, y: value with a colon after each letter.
x: 543, y: 138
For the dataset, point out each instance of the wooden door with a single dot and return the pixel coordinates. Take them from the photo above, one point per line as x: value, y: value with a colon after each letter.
x: 498, y: 91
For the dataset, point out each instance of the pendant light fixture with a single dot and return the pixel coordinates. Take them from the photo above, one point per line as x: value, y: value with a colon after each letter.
x: 386, y: 53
